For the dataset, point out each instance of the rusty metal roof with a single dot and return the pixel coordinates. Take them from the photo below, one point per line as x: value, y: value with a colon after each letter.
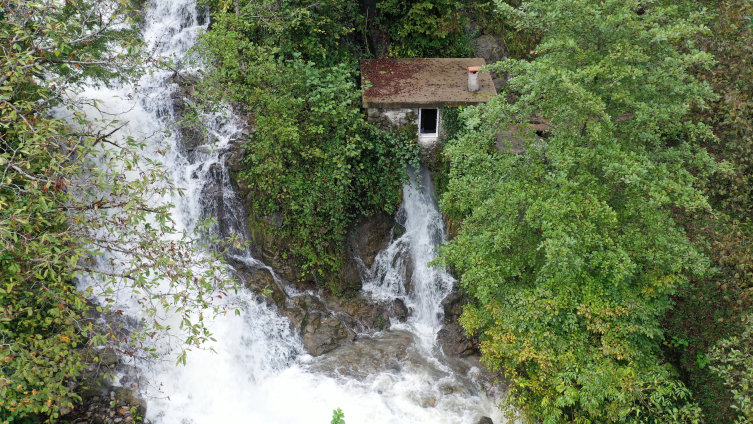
x: 404, y: 83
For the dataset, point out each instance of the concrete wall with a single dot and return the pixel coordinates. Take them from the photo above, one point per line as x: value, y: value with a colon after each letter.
x: 400, y: 118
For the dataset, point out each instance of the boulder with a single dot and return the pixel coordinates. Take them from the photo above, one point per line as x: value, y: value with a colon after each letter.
x: 485, y: 420
x: 321, y: 330
x: 454, y: 342
x: 323, y: 333
x: 126, y: 397
x: 371, y: 235
x: 397, y: 309
x: 453, y: 305
x: 491, y: 48
x: 367, y: 356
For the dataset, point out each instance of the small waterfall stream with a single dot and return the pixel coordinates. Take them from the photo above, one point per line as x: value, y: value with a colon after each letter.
x: 424, y: 231
x: 260, y: 372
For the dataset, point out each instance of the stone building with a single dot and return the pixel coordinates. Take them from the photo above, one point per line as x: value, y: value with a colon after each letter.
x: 401, y: 92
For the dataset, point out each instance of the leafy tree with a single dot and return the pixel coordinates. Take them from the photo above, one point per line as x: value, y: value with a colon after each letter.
x: 714, y: 308
x: 572, y: 249
x: 318, y: 31
x: 430, y: 28
x: 79, y: 202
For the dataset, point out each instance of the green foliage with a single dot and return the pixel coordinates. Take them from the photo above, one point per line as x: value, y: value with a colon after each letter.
x: 311, y: 155
x: 731, y: 43
x: 733, y: 361
x: 337, y: 417
x: 60, y: 213
x: 318, y: 31
x: 714, y: 308
x: 572, y: 249
x: 519, y: 42
x: 426, y: 28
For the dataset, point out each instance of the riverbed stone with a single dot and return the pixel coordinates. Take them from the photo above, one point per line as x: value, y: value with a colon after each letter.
x: 322, y: 333
x: 454, y: 341
x: 387, y: 351
x: 485, y: 420
x: 259, y: 279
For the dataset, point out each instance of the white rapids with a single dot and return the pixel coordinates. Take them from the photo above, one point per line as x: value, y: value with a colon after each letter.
x: 260, y: 372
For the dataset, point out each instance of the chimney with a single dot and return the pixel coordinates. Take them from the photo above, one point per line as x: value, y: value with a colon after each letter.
x: 473, y: 85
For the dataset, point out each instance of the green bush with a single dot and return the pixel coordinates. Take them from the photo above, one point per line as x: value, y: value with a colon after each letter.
x: 430, y: 28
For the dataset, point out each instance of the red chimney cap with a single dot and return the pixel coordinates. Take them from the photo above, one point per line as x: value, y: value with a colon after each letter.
x: 473, y: 69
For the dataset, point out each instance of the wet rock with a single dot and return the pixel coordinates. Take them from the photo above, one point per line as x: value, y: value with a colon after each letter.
x: 321, y: 330
x: 237, y: 151
x: 485, y: 420
x: 120, y: 405
x: 234, y: 160
x: 95, y: 380
x: 259, y: 279
x: 385, y: 352
x: 454, y: 342
x: 108, y: 357
x: 397, y: 231
x: 453, y: 305
x: 397, y: 309
x: 190, y: 134
x: 428, y: 402
x: 126, y: 397
x: 220, y: 200
x: 322, y: 333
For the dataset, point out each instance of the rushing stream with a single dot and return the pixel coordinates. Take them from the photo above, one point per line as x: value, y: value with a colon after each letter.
x: 260, y: 372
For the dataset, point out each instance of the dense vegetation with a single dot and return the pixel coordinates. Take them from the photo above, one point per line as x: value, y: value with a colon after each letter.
x: 610, y: 264
x: 596, y: 256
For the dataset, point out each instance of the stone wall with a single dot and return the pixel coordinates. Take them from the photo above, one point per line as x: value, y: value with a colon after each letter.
x: 402, y: 119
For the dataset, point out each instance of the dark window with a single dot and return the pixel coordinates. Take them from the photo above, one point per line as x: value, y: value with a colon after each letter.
x: 428, y: 121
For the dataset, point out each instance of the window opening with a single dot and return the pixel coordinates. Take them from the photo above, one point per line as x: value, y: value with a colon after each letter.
x: 428, y: 122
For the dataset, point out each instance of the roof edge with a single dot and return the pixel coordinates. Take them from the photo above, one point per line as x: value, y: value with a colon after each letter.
x: 401, y: 105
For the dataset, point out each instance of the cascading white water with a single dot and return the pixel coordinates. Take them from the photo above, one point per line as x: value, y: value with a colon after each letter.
x: 260, y: 372
x: 424, y: 231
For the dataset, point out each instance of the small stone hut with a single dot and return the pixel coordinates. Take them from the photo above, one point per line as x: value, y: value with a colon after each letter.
x: 399, y: 92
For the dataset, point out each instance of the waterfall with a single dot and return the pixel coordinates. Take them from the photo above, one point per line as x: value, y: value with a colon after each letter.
x: 424, y: 231
x: 258, y: 371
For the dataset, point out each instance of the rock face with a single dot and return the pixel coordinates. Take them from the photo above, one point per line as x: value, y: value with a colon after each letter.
x: 320, y: 329
x: 491, y: 48
x: 389, y: 351
x: 371, y: 235
x: 454, y: 341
